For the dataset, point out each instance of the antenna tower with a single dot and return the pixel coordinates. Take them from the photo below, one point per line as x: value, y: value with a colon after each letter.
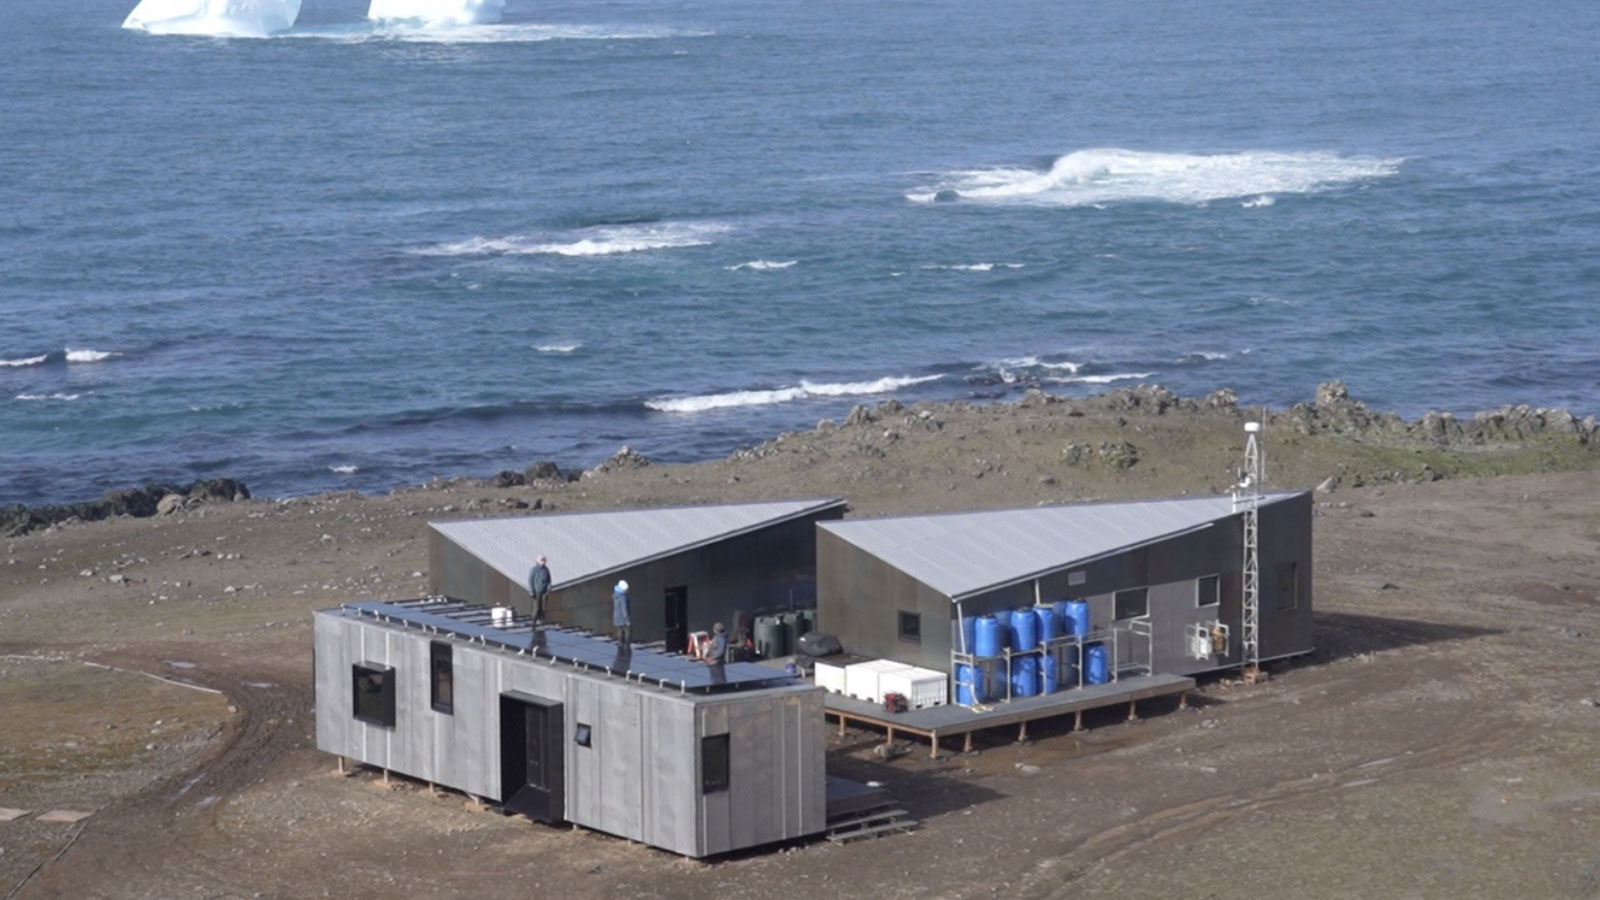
x: 1247, y: 498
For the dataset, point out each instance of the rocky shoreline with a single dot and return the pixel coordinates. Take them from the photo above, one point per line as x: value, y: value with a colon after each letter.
x: 872, y: 431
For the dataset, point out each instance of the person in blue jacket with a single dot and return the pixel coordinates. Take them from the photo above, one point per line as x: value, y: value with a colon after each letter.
x: 619, y: 613
x: 539, y: 588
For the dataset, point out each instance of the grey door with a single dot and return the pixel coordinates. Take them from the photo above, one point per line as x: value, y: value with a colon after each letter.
x: 532, y: 776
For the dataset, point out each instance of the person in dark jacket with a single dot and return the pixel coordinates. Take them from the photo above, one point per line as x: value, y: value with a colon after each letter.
x: 718, y: 650
x: 539, y: 588
x: 619, y: 613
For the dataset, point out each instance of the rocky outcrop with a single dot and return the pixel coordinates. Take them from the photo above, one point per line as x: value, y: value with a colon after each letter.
x: 138, y: 502
x: 623, y: 460
x: 544, y: 470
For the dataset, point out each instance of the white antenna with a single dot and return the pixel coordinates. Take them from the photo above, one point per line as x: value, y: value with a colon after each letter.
x: 1247, y: 498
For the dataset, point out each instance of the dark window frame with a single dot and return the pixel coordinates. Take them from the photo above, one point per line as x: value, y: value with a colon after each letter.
x: 1200, y: 601
x: 716, y: 763
x: 583, y: 734
x: 1117, y: 602
x: 442, y: 661
x: 1287, y: 598
x: 912, y: 634
x: 383, y: 696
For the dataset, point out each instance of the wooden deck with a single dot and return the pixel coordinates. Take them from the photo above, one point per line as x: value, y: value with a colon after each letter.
x: 944, y: 721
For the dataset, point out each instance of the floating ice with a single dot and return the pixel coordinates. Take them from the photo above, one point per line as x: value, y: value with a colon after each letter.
x: 1096, y: 177
x: 437, y: 12
x: 217, y: 18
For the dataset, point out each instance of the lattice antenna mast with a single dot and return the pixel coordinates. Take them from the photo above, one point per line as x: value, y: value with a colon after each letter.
x: 1247, y: 498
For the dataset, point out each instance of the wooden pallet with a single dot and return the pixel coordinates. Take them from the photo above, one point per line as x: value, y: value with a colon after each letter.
x: 873, y: 824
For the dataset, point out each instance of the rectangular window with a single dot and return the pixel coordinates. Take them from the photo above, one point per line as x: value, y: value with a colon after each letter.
x: 1287, y: 587
x: 374, y: 694
x: 713, y: 763
x: 1132, y: 604
x: 911, y: 627
x: 1076, y: 578
x: 1208, y: 591
x: 582, y: 735
x: 441, y: 657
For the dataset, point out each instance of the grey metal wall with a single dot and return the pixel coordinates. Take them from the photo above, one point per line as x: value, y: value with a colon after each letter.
x: 859, y: 595
x: 768, y: 570
x: 640, y: 776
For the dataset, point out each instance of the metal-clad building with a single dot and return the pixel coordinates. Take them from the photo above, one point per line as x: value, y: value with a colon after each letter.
x: 695, y: 759
x: 686, y: 567
x: 1154, y: 570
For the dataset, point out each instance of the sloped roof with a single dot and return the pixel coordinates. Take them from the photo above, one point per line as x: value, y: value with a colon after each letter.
x: 962, y: 554
x: 582, y: 546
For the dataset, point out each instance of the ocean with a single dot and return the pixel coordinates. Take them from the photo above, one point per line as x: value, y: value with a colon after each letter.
x: 356, y: 256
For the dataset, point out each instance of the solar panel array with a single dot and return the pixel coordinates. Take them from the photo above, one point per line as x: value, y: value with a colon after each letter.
x: 574, y: 648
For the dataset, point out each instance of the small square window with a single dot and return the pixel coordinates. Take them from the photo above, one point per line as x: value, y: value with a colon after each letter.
x: 1208, y: 591
x: 1132, y: 604
x: 374, y: 694
x: 911, y: 627
x: 582, y: 735
x: 713, y: 763
x: 1076, y: 578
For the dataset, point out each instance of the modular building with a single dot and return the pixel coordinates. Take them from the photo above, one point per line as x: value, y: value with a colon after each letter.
x: 686, y: 567
x: 1157, y: 586
x: 565, y: 727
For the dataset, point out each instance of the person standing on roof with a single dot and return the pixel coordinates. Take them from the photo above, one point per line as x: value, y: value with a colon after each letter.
x: 539, y: 588
x: 619, y: 613
x: 719, y: 645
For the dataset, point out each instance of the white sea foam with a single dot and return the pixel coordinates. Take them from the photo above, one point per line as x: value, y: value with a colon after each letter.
x: 558, y: 348
x: 1258, y: 202
x: 606, y: 240
x: 56, y: 396
x: 1007, y: 369
x: 1196, y: 356
x: 783, y: 395
x: 975, y: 267
x: 25, y: 361
x: 437, y: 12
x: 417, y: 32
x: 89, y: 356
x: 344, y: 470
x: 762, y: 265
x: 1100, y: 176
x: 214, y: 18
x: 1101, y: 379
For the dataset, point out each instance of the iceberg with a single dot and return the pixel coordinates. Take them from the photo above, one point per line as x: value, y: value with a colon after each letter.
x: 437, y: 12
x: 218, y: 18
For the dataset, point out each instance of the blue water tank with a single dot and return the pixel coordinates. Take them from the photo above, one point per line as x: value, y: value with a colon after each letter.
x: 987, y: 637
x: 1024, y: 629
x: 1024, y: 676
x: 1049, y: 624
x: 967, y: 637
x: 1096, y: 669
x: 969, y: 685
x: 1048, y: 682
x: 1077, y: 617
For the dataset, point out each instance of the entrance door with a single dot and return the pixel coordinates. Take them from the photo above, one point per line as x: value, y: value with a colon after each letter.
x: 532, y: 777
x: 677, y: 623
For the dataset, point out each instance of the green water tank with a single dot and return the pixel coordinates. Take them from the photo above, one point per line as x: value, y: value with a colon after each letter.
x: 772, y: 637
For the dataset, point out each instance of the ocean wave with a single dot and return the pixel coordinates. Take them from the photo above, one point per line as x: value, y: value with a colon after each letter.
x: 762, y: 265
x: 975, y: 267
x: 89, y: 356
x: 605, y: 240
x: 1100, y: 176
x: 344, y: 470
x: 1258, y: 202
x: 804, y: 390
x: 1027, y: 368
x: 1199, y: 356
x: 1100, y: 379
x: 39, y: 397
x: 25, y: 361
x: 521, y: 33
x: 559, y: 348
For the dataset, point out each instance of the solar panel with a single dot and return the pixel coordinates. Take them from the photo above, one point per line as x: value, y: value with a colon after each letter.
x: 583, y: 651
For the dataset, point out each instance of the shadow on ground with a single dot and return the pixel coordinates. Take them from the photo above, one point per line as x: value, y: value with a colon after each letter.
x: 1341, y: 635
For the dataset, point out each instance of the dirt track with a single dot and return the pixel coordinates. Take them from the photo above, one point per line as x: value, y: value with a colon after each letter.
x: 1442, y: 741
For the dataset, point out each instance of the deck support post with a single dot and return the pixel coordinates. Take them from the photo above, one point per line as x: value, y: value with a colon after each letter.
x: 1022, y: 732
x: 889, y: 738
x: 841, y: 725
x: 1133, y: 710
x: 933, y: 752
x: 968, y: 747
x: 1183, y: 700
x: 341, y: 765
x: 1077, y: 721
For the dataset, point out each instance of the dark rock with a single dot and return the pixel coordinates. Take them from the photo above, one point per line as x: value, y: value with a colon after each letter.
x: 223, y: 489
x: 1033, y: 397
x: 508, y: 479
x: 544, y: 470
x: 1074, y: 454
x: 1222, y: 398
x: 170, y: 504
x: 859, y: 415
x: 623, y: 460
x: 1119, y: 454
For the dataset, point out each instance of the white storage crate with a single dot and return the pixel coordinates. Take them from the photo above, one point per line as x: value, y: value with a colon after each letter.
x: 830, y: 675
x: 861, y: 679
x: 921, y: 687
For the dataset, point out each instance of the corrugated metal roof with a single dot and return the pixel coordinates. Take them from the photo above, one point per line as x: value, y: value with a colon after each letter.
x: 962, y: 554
x: 582, y: 546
